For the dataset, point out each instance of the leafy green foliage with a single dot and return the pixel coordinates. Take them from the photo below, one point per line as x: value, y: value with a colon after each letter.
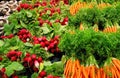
x: 95, y: 15
x: 14, y: 66
x: 55, y: 69
x: 83, y: 44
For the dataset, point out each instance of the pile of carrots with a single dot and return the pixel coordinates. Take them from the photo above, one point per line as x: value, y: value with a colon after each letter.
x: 110, y: 29
x: 78, y: 5
x: 74, y: 69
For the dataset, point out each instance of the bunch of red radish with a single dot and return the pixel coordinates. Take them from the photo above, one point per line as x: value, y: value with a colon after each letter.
x: 7, y: 36
x: 14, y: 55
x: 24, y: 6
x: 43, y: 74
x: 50, y: 45
x: 24, y: 35
x: 52, y: 12
x: 32, y: 61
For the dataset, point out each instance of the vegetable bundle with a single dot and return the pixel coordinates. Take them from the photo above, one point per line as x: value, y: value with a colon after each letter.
x: 82, y: 44
x: 74, y: 69
x: 90, y: 14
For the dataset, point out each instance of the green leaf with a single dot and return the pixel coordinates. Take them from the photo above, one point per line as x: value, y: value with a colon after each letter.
x: 34, y: 75
x: 14, y: 48
x: 23, y: 77
x: 23, y: 24
x: 28, y: 44
x: 9, y: 72
x: 48, y: 12
x: 63, y: 59
x: 14, y: 66
x: 47, y: 63
x: 29, y: 14
x: 45, y: 29
x: 1, y: 43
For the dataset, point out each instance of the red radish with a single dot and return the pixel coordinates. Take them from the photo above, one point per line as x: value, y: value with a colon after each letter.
x: 42, y: 74
x: 58, y: 10
x: 18, y: 9
x: 10, y: 36
x: 1, y: 59
x: 46, y: 9
x: 33, y: 56
x: 58, y: 20
x: 27, y: 54
x: 50, y: 76
x: 47, y: 21
x: 42, y: 44
x: 3, y: 70
x: 47, y: 43
x: 19, y: 53
x: 36, y: 63
x: 28, y: 59
x: 13, y: 58
x: 51, y: 45
x: 44, y: 3
x: 15, y: 76
x: 39, y: 59
x: 4, y: 76
x: 31, y: 63
x: 44, y: 38
x: 41, y: 22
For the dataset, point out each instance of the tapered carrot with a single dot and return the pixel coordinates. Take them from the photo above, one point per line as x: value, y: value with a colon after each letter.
x: 116, y: 72
x: 116, y: 62
x: 84, y: 72
x: 92, y: 72
x: 98, y: 75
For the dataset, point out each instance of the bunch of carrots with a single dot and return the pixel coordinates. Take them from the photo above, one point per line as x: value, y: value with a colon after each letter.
x: 74, y: 69
x: 110, y: 29
x: 78, y: 5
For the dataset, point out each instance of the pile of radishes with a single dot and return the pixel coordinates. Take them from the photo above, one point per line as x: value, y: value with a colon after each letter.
x: 24, y: 35
x: 32, y: 62
x: 7, y: 36
x: 24, y: 6
x: 50, y: 45
x: 14, y: 55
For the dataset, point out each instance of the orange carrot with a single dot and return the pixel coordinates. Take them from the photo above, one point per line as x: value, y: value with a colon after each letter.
x: 116, y: 62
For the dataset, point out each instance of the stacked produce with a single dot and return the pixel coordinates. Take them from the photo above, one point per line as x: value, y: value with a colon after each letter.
x: 90, y: 14
x: 61, y: 39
